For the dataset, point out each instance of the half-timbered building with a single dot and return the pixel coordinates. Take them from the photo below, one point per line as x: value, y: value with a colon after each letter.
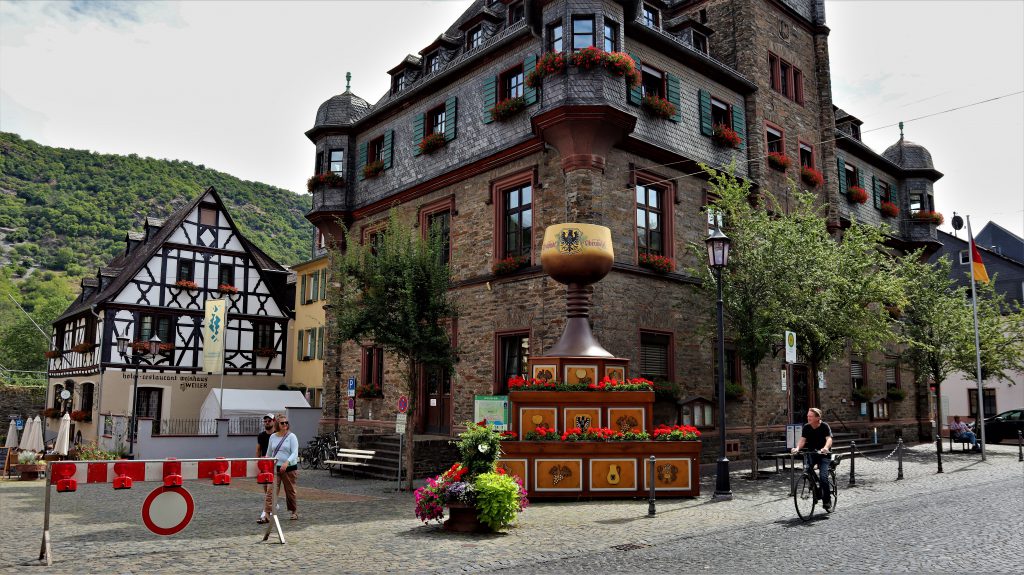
x: 158, y: 287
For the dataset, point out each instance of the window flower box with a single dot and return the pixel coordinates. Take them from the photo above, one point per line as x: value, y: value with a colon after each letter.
x: 84, y: 347
x: 725, y: 137
x: 895, y: 394
x: 550, y: 64
x: 51, y: 354
x: 326, y: 179
x: 520, y: 384
x: 889, y: 209
x: 432, y: 142
x: 857, y: 194
x: 373, y: 169
x: 676, y: 433
x: 52, y: 412
x: 660, y: 264
x: 365, y: 391
x: 227, y: 289
x: 778, y: 161
x: 508, y: 108
x: 509, y: 265
x: 929, y: 216
x: 187, y: 284
x: 588, y: 58
x: 659, y: 106
x: 266, y: 352
x: 617, y: 64
x: 862, y: 394
x: 141, y: 347
x: 811, y: 177
x: 81, y: 416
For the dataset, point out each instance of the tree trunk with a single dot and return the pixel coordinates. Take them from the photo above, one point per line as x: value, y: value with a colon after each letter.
x: 753, y: 422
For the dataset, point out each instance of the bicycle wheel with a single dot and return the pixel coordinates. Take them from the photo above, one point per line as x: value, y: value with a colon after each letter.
x: 805, y: 499
x: 305, y: 460
x: 323, y: 455
x: 833, y: 488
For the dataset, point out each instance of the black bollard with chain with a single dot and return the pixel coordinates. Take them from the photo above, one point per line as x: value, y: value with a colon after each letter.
x: 899, y: 454
x: 938, y: 450
x: 1020, y: 445
x: 853, y: 463
x: 650, y: 501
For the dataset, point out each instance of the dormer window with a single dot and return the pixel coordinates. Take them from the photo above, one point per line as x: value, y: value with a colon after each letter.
x: 516, y: 12
x: 398, y: 83
x: 855, y: 131
x: 433, y: 62
x: 700, y: 42
x: 475, y: 38
x: 651, y: 17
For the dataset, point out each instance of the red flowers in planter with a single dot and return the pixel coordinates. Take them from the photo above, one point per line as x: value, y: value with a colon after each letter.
x: 778, y: 160
x: 550, y: 64
x: 725, y: 136
x: 659, y: 106
x: 143, y: 347
x: 432, y: 142
x: 187, y: 284
x: 507, y: 108
x: 327, y: 179
x: 81, y: 415
x: 929, y: 216
x: 660, y: 264
x: 811, y: 177
x: 617, y: 63
x: 373, y: 169
x: 52, y: 354
x: 857, y: 194
x: 83, y: 347
x: 509, y: 265
x: 889, y: 209
x: 588, y: 58
x: 227, y: 288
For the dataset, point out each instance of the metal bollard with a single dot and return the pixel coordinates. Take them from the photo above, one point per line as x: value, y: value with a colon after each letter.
x: 899, y: 455
x: 938, y: 450
x: 650, y: 500
x: 853, y: 463
x: 1020, y: 446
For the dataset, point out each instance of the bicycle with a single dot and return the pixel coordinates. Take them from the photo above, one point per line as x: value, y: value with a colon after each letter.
x: 808, y: 489
x: 319, y: 449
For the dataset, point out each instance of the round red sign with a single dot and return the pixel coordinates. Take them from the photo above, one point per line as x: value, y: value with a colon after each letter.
x: 403, y: 404
x: 168, y: 510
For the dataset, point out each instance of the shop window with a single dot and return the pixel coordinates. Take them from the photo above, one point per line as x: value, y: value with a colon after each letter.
x: 514, y: 351
x: 654, y: 356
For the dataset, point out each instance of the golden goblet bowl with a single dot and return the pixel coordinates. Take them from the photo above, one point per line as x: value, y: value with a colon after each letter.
x: 577, y: 253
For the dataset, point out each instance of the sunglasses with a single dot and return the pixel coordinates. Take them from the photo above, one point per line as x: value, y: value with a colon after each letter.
x: 283, y: 422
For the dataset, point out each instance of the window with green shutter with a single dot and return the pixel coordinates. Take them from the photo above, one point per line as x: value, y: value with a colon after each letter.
x: 417, y: 133
x: 361, y: 161
x: 706, y: 119
x: 320, y: 343
x: 388, y: 148
x: 529, y: 93
x: 636, y: 94
x: 300, y: 345
x: 739, y: 125
x: 841, y: 171
x: 874, y: 192
x: 489, y: 92
x: 674, y: 97
x: 451, y: 108
x: 323, y: 284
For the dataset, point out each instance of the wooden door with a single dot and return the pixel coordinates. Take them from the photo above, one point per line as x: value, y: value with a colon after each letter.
x: 436, y: 391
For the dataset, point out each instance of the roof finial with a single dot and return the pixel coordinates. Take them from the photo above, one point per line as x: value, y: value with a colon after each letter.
x: 901, y: 130
x: 348, y: 85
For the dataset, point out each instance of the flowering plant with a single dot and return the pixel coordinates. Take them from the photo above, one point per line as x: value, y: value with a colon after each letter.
x: 508, y: 435
x: 266, y: 352
x: 857, y: 194
x: 659, y: 106
x: 430, y: 500
x: 604, y: 434
x: 517, y: 383
x: 589, y: 58
x: 187, y: 284
x: 675, y: 433
x: 541, y: 433
x: 725, y: 136
x: 621, y: 64
x: 507, y: 108
x: 81, y: 415
x: 83, y: 347
x: 657, y: 263
x: 368, y: 391
x: 143, y: 346
x: 432, y: 142
x: 509, y: 265
x: 550, y: 64
x: 373, y: 169
x: 778, y: 160
x: 227, y: 288
x: 811, y: 177
x: 929, y: 216
x: 51, y: 412
x: 328, y: 179
x: 889, y: 209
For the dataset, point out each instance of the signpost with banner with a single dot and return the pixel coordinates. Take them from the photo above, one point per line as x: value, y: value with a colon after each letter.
x: 214, y: 326
x: 493, y: 408
x: 790, y: 360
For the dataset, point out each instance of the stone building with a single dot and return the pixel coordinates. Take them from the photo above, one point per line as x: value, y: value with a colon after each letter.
x: 584, y: 146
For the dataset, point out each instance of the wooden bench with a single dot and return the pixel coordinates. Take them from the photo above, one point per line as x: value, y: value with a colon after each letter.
x: 958, y: 438
x: 351, y: 458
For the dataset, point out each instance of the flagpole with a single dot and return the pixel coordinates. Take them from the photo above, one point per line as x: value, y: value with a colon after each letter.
x: 977, y: 342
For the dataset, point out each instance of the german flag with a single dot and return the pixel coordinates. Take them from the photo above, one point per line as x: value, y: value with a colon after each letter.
x: 977, y: 266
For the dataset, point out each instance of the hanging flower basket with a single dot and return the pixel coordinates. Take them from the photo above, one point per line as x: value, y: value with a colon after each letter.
x: 857, y: 194
x: 779, y: 161
x: 889, y: 209
x: 811, y: 177
x: 508, y: 108
x: 659, y: 106
x: 509, y: 265
x: 227, y: 289
x: 929, y: 216
x: 373, y: 169
x: 725, y: 137
x: 660, y: 264
x: 432, y: 142
x: 326, y: 179
x: 51, y: 354
x: 550, y: 64
x: 187, y: 284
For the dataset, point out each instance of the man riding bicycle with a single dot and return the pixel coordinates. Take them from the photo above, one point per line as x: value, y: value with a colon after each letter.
x: 817, y: 437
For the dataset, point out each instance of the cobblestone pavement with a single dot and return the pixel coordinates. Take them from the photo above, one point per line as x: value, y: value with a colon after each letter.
x: 366, y: 527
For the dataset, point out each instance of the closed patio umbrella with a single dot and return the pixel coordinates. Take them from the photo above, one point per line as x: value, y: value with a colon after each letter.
x: 26, y: 435
x: 37, y: 436
x: 12, y: 436
x: 60, y: 446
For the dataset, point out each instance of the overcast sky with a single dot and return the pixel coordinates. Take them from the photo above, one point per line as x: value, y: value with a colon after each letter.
x: 233, y: 85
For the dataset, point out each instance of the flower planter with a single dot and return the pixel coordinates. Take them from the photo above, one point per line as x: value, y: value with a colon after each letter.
x: 326, y: 179
x: 725, y: 137
x: 508, y: 108
x: 811, y: 177
x: 857, y: 194
x: 373, y: 169
x: 778, y: 161
x: 31, y: 471
x: 509, y: 265
x: 462, y: 518
x: 659, y: 107
x: 889, y: 210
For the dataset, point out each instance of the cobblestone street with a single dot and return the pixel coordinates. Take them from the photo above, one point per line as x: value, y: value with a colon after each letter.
x: 351, y: 526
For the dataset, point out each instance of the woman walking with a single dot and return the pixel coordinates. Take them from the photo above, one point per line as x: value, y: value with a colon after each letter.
x: 284, y: 447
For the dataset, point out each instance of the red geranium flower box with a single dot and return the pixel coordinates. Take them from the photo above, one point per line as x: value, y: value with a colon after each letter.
x: 857, y: 194
x: 811, y: 177
x: 660, y: 264
x: 929, y: 216
x: 725, y: 136
x: 778, y: 160
x: 889, y: 209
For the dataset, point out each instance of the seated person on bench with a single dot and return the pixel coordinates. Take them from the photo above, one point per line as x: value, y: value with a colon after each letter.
x: 960, y: 432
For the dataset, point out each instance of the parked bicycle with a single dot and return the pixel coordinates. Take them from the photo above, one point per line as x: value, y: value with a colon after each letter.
x: 319, y: 449
x: 808, y: 488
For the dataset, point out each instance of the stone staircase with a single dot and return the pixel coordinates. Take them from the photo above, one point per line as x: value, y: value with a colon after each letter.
x: 384, y: 464
x: 841, y: 443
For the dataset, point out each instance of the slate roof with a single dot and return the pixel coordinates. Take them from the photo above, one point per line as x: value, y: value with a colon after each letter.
x: 909, y: 156
x: 341, y: 110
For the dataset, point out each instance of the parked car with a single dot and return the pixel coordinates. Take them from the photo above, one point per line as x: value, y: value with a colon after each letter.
x: 1004, y: 426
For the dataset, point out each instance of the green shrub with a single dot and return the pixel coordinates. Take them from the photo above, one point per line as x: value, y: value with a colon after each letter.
x: 497, y: 499
x: 479, y: 448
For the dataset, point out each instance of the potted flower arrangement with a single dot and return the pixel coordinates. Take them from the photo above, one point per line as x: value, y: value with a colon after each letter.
x: 895, y: 394
x: 725, y: 136
x: 326, y: 179
x: 811, y: 177
x: 660, y: 264
x: 432, y: 142
x: 29, y: 466
x: 620, y: 64
x: 227, y: 289
x: 81, y: 415
x: 589, y: 58
x: 778, y: 160
x: 604, y: 434
x: 373, y: 169
x: 517, y: 383
x: 509, y: 265
x: 479, y: 496
x: 676, y: 433
x: 734, y: 391
x: 83, y: 347
x: 889, y: 209
x: 368, y: 391
x: 542, y: 433
x: 508, y: 108
x: 550, y: 64
x: 929, y: 216
x: 857, y: 194
x: 187, y: 284
x: 51, y: 354
x: 659, y: 106
x: 143, y: 347
x: 266, y: 352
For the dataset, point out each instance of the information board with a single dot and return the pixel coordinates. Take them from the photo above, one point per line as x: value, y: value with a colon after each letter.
x: 493, y: 408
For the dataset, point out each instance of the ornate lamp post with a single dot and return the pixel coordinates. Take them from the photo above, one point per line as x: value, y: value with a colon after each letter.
x: 136, y: 358
x: 718, y: 258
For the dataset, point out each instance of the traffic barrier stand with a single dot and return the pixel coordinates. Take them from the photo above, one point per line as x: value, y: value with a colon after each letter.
x: 170, y: 494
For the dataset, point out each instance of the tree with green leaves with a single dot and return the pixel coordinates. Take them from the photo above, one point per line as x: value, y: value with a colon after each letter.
x: 1000, y: 334
x: 393, y: 292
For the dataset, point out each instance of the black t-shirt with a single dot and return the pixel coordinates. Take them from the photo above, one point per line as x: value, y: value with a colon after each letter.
x: 264, y: 441
x: 816, y: 437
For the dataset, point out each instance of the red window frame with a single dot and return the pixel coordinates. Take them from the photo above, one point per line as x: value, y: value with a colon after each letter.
x: 781, y: 71
x: 777, y: 128
x: 372, y: 367
x: 800, y: 148
x: 436, y: 207
x: 668, y: 185
x: 498, y: 188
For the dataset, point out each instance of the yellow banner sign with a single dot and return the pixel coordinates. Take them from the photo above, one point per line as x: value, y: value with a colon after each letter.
x: 214, y: 332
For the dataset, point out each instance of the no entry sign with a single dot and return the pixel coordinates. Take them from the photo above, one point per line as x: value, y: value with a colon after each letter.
x: 168, y: 510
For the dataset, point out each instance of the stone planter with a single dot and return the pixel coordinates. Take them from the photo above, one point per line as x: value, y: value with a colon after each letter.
x: 462, y: 518
x: 31, y: 471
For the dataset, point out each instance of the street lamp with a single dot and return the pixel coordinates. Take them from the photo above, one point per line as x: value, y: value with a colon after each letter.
x: 718, y: 258
x: 135, y: 358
